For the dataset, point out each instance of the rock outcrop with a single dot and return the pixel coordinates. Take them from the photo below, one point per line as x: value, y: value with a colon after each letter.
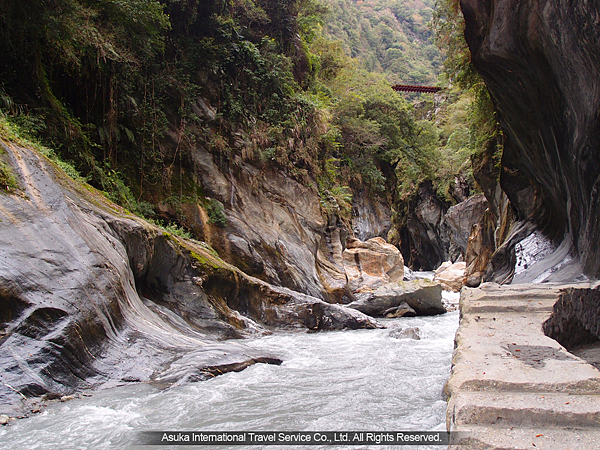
x: 93, y: 296
x: 458, y: 222
x: 371, y: 217
x: 406, y: 333
x: 274, y: 224
x: 421, y: 239
x: 372, y: 264
x: 575, y: 318
x: 434, y: 233
x: 450, y: 276
x: 493, y: 228
x: 423, y: 296
x: 541, y: 63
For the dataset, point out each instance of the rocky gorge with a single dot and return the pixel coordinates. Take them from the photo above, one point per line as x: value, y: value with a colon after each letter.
x: 93, y: 296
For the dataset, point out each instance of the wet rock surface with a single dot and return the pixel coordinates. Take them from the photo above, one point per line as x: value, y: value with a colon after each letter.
x: 91, y: 296
x: 406, y: 333
x: 403, y: 309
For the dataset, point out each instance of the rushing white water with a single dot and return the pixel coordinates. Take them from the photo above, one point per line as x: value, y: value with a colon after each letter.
x: 364, y: 380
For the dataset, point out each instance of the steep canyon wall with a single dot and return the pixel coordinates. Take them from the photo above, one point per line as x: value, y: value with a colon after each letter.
x: 91, y: 295
x: 541, y: 63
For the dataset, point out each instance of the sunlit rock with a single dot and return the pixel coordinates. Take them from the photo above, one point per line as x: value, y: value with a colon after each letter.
x: 450, y: 276
x: 372, y: 264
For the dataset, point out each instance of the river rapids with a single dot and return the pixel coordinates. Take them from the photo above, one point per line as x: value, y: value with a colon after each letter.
x: 365, y: 380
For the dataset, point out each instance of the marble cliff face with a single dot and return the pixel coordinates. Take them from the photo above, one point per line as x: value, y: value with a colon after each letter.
x: 541, y: 63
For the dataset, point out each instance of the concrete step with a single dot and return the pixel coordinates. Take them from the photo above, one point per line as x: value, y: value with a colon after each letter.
x: 499, y: 437
x: 509, y: 352
x: 525, y: 409
x: 510, y: 305
x: 524, y: 298
x: 513, y: 387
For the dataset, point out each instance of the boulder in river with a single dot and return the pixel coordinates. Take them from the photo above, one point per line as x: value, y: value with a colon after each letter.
x: 450, y: 276
x: 406, y: 333
x: 399, y: 311
x: 423, y: 296
x: 372, y: 264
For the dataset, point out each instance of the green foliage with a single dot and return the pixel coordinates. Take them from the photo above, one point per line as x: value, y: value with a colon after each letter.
x: 337, y: 201
x: 216, y: 213
x: 126, y: 91
x: 382, y: 147
x: 389, y: 36
x: 8, y: 181
x: 449, y: 28
x: 174, y: 229
x: 478, y: 128
x: 15, y: 129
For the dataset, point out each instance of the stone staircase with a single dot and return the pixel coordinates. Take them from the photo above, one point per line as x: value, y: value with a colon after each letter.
x: 513, y: 387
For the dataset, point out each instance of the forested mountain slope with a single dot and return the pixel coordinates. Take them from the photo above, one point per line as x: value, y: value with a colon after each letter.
x: 390, y: 36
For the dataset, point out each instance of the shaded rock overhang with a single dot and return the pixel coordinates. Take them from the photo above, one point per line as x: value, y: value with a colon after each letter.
x: 541, y: 62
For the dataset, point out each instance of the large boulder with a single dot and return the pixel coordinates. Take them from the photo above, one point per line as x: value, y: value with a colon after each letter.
x: 372, y: 264
x: 450, y: 276
x: 423, y: 296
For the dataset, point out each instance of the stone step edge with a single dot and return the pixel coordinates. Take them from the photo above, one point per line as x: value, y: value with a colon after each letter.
x: 589, y: 386
x: 556, y: 409
x: 507, y: 308
x: 473, y: 437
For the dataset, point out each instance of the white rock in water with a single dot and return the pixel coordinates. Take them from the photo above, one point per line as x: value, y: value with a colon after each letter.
x: 406, y: 333
x: 4, y: 419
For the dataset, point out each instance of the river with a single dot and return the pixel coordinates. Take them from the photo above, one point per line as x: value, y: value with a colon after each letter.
x: 363, y: 380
